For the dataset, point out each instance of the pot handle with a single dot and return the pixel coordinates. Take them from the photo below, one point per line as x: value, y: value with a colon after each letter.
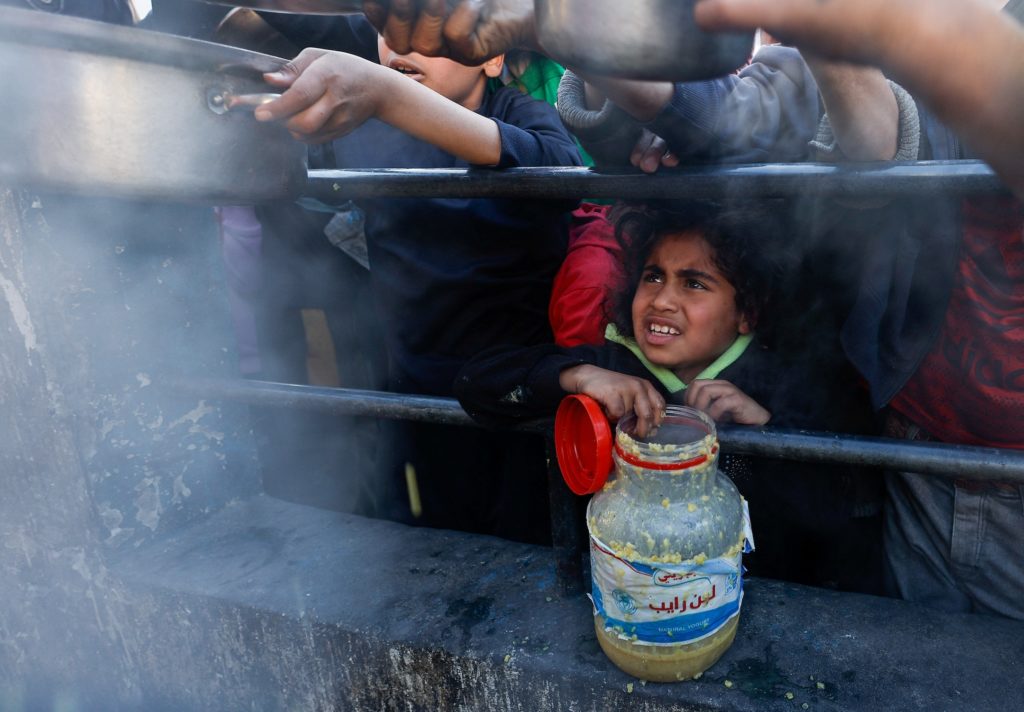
x: 221, y: 102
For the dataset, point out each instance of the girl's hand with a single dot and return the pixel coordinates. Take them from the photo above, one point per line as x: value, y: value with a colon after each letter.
x: 725, y: 403
x: 618, y: 394
x: 328, y: 94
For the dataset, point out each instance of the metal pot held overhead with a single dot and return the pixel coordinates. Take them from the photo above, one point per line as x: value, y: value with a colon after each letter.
x: 100, y: 109
x: 638, y: 39
x: 298, y: 7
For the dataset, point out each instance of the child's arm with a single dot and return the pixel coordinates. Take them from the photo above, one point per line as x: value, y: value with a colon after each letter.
x: 964, y: 58
x: 618, y: 394
x: 504, y: 385
x: 724, y: 402
x: 507, y: 384
x: 861, y: 107
x: 329, y: 94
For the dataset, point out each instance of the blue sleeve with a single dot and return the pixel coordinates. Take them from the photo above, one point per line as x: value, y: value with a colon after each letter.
x: 531, y: 132
x: 769, y: 111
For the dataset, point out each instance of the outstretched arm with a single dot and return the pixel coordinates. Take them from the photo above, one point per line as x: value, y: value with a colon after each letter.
x: 861, y: 108
x: 963, y: 58
x: 769, y: 111
x: 329, y: 94
x: 505, y: 384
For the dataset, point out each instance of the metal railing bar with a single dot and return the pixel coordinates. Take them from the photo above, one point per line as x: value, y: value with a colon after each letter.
x: 330, y: 401
x: 951, y: 461
x: 756, y: 180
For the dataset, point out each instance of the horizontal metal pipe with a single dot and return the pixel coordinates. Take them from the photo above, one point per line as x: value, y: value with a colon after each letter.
x: 952, y: 461
x: 330, y: 401
x: 761, y: 180
x: 930, y: 458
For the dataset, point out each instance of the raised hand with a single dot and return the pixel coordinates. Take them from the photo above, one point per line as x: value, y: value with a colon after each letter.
x: 328, y: 94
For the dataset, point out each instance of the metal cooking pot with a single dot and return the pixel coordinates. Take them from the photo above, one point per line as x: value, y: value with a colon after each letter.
x: 638, y: 39
x: 299, y: 7
x: 101, y: 109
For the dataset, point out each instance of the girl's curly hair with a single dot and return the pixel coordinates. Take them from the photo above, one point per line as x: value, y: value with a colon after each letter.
x: 748, y: 243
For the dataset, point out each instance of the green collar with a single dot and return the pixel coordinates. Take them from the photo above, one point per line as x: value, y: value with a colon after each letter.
x: 670, y: 380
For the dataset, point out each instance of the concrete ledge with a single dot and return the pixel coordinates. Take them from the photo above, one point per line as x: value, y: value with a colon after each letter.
x: 270, y: 605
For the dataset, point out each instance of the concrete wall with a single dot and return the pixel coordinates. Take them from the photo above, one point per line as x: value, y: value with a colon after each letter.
x: 97, y: 299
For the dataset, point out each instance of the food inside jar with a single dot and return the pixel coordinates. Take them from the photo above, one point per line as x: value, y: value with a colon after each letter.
x: 665, y: 663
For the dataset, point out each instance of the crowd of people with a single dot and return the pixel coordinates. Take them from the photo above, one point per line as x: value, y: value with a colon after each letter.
x: 902, y: 317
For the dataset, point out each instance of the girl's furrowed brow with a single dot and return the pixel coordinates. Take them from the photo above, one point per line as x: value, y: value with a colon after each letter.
x: 698, y: 275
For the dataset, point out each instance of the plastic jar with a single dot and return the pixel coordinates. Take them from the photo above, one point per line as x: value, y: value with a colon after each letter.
x: 667, y: 536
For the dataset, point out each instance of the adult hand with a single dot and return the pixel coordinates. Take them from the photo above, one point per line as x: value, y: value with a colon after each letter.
x: 839, y: 29
x: 471, y: 32
x: 328, y: 94
x: 618, y: 394
x: 651, y: 153
x: 725, y: 403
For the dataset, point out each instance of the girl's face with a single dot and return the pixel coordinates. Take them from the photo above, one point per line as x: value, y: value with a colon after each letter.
x: 684, y: 310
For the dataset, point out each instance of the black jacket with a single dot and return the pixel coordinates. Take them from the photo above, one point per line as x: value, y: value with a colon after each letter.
x: 507, y: 384
x: 812, y: 525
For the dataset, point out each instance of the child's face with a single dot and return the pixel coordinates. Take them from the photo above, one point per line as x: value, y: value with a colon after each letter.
x: 463, y: 85
x: 684, y: 310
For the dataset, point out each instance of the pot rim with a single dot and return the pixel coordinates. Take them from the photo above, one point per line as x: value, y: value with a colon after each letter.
x: 74, y: 34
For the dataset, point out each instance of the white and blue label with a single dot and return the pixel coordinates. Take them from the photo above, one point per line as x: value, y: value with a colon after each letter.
x: 664, y: 604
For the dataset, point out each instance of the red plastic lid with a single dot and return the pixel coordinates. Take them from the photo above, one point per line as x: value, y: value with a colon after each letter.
x: 583, y: 444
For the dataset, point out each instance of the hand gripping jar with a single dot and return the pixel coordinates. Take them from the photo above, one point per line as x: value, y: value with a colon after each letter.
x: 667, y: 536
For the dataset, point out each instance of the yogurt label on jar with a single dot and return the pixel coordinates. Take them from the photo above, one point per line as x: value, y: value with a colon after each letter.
x: 664, y: 604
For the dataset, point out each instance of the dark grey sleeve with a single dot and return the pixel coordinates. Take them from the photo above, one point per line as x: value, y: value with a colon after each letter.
x: 769, y: 111
x: 508, y: 384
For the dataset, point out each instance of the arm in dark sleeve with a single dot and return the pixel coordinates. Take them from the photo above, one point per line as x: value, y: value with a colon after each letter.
x: 608, y: 134
x: 769, y: 111
x: 343, y: 33
x: 508, y: 384
x: 532, y: 134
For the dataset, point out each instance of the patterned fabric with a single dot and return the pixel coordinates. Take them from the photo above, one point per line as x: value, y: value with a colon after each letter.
x: 970, y: 387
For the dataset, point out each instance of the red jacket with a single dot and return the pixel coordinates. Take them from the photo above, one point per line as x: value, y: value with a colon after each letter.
x: 591, y: 272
